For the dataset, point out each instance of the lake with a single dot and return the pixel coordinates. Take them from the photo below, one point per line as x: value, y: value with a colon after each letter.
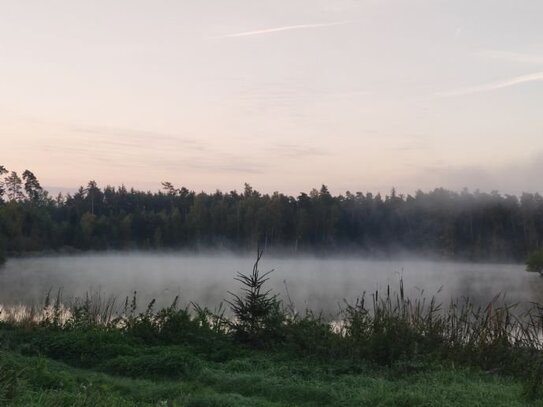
x: 315, y: 283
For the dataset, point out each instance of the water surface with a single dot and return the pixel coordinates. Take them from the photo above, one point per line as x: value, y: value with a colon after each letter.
x: 319, y: 284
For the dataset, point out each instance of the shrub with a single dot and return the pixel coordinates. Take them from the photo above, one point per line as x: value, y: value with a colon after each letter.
x: 534, y: 263
x: 258, y: 315
x: 82, y: 348
x: 311, y: 335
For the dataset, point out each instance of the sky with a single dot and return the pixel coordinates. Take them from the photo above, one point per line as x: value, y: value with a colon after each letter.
x: 360, y: 95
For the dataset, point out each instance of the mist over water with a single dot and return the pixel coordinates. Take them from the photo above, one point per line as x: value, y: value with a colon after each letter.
x: 315, y: 283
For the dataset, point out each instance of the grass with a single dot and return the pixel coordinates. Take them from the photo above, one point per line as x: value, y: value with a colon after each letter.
x: 388, y: 351
x: 255, y: 379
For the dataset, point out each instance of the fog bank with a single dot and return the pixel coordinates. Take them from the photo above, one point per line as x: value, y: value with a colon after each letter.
x: 318, y: 284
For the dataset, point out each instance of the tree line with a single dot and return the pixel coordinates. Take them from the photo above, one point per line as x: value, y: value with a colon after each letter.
x: 462, y: 225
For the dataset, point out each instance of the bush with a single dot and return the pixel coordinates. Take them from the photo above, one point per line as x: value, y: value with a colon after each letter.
x: 173, y: 325
x: 82, y: 348
x: 311, y: 335
x: 535, y: 262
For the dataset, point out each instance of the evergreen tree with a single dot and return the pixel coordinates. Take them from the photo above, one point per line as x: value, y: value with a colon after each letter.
x: 14, y: 187
x: 33, y: 189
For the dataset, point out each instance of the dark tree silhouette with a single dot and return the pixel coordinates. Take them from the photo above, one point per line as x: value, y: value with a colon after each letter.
x: 464, y: 225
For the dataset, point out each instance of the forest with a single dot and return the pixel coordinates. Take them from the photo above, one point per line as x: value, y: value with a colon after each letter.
x: 460, y: 225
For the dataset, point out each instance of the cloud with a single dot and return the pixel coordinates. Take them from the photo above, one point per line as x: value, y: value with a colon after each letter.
x: 410, y: 146
x: 226, y: 163
x: 123, y: 137
x: 283, y: 28
x: 295, y: 151
x: 517, y: 57
x: 411, y: 143
x: 533, y: 77
x: 120, y: 148
x: 512, y: 178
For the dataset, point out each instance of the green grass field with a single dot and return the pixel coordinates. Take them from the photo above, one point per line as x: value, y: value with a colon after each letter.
x: 47, y: 368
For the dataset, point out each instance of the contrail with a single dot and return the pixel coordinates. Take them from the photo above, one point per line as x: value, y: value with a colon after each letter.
x: 538, y: 76
x: 284, y: 28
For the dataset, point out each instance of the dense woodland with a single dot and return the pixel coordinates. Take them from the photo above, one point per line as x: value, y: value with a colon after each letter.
x: 461, y: 225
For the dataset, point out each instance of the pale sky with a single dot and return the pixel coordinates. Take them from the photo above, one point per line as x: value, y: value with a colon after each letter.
x: 285, y: 95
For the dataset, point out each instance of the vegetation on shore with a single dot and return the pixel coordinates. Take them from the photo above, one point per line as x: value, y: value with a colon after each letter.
x: 384, y: 349
x: 465, y: 225
x: 535, y: 262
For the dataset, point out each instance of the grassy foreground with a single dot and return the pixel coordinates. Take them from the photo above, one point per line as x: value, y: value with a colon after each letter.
x: 393, y: 352
x: 96, y: 368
